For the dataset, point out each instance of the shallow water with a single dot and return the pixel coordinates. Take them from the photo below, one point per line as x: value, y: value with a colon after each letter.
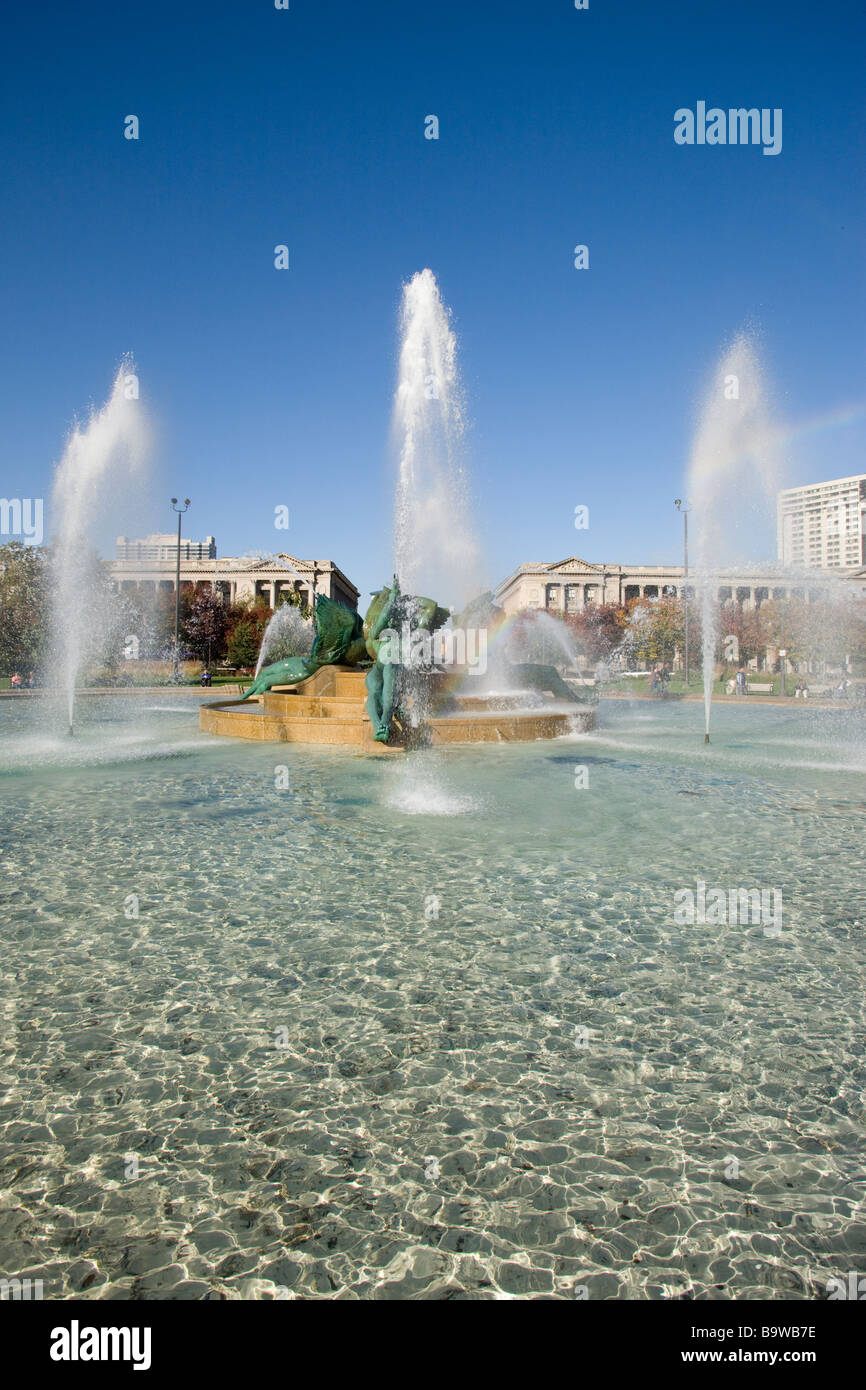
x: 428, y: 1027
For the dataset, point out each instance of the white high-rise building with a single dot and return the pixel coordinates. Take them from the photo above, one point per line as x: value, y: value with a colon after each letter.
x: 824, y: 524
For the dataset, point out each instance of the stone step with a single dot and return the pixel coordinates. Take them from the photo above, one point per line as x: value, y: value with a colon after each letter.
x: 509, y: 728
x: 312, y: 706
x: 239, y: 721
x: 350, y: 683
x: 495, y: 703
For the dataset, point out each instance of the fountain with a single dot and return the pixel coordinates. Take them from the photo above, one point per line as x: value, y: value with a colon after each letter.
x: 734, y: 447
x: 538, y: 636
x: 298, y: 994
x: 287, y: 634
x: 97, y: 457
x: 386, y: 684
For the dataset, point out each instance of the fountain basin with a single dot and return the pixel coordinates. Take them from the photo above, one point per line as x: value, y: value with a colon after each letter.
x: 329, y: 707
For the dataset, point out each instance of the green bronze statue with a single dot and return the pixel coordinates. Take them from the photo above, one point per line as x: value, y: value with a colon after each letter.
x: 381, y: 679
x: 391, y: 611
x: 339, y: 641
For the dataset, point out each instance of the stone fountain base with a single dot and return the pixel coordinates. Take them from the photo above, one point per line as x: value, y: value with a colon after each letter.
x: 329, y: 707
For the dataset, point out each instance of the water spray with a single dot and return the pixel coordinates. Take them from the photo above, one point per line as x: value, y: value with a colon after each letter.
x: 733, y: 479
x: 100, y: 454
x: 435, y: 544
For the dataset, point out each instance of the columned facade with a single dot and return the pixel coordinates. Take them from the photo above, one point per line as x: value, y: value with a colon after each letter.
x: 571, y: 585
x: 239, y: 580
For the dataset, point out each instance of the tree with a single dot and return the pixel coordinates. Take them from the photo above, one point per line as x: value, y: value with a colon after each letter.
x: 155, y: 611
x: 749, y: 626
x: 297, y: 601
x: 855, y: 631
x: 787, y: 626
x: 820, y: 632
x: 655, y: 631
x: 244, y: 643
x: 599, y: 629
x: 253, y: 616
x: 102, y: 635
x: 205, y: 628
x: 834, y: 634
x: 24, y: 607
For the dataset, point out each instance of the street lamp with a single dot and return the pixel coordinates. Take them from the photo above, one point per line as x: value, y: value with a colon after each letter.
x: 684, y: 508
x: 180, y: 511
x: 782, y: 656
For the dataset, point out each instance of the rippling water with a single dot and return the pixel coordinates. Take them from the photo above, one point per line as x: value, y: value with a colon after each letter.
x: 429, y: 1028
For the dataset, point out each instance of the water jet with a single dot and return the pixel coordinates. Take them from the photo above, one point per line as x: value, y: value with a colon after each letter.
x: 110, y: 446
x: 734, y: 444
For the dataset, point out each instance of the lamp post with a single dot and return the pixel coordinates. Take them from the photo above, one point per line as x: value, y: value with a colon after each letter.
x: 783, y: 658
x: 684, y: 507
x: 180, y: 511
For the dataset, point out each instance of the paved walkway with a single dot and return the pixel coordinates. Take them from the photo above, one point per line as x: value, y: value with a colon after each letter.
x: 211, y: 692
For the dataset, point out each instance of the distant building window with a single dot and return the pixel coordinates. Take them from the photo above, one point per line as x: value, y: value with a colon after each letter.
x: 155, y: 548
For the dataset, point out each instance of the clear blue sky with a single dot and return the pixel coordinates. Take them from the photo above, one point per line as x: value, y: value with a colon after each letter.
x: 306, y: 126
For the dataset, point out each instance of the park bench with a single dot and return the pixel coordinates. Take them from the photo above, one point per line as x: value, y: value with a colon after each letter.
x: 759, y: 688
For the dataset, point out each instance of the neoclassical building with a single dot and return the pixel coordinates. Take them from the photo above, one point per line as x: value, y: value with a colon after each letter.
x: 151, y: 563
x: 568, y: 586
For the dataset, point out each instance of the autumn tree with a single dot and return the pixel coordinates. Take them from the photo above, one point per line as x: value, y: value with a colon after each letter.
x: 655, y: 631
x: 599, y: 629
x: 205, y: 628
x: 748, y: 626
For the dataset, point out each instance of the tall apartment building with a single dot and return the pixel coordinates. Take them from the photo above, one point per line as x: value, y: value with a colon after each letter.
x: 164, y: 547
x: 824, y: 524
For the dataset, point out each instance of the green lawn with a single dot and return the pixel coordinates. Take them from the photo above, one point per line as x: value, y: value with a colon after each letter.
x: 639, y: 685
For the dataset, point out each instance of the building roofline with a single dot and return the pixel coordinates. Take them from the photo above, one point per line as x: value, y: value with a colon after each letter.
x: 773, y: 571
x: 830, y: 482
